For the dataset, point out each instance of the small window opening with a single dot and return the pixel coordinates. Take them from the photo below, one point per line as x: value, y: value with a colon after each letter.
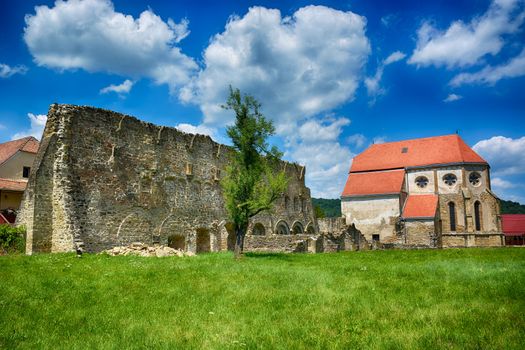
x: 375, y: 238
x: 452, y: 216
x: 404, y: 150
x: 25, y: 171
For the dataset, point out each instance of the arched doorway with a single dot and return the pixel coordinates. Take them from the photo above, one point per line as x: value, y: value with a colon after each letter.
x: 203, y: 240
x: 310, y: 229
x: 177, y: 241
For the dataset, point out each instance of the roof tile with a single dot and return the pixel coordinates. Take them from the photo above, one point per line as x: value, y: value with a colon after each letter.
x: 420, y: 206
x: 380, y: 182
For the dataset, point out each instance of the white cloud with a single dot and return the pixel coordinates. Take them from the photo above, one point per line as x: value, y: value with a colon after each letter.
x: 499, y: 183
x: 90, y: 35
x: 296, y: 66
x: 120, y: 89
x: 196, y: 129
x: 505, y: 155
x: 373, y: 86
x: 491, y: 75
x: 358, y: 140
x: 38, y: 122
x: 465, y: 44
x: 452, y: 98
x: 7, y: 71
x: 316, y: 145
x: 379, y: 139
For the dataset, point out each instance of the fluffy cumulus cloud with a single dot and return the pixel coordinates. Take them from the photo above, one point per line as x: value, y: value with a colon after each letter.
x: 38, y: 122
x: 505, y: 155
x: 327, y: 161
x: 491, y: 75
x: 7, y: 71
x: 296, y: 66
x: 91, y: 35
x: 120, y: 89
x: 373, y: 84
x: 465, y: 44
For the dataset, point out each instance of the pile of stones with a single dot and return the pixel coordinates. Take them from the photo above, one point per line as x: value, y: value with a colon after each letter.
x: 141, y: 249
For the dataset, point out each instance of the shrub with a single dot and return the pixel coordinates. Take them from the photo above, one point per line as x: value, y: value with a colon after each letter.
x: 12, y: 239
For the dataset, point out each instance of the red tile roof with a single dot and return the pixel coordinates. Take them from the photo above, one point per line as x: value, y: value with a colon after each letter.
x: 513, y: 224
x: 26, y: 144
x: 12, y: 185
x: 417, y: 152
x: 379, y: 182
x: 420, y: 206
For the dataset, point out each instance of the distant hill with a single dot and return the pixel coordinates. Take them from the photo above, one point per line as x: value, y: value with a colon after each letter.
x: 332, y: 207
x: 510, y: 207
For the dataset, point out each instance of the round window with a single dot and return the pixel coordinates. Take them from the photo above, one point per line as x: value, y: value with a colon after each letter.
x: 450, y: 179
x: 421, y: 181
x: 474, y: 178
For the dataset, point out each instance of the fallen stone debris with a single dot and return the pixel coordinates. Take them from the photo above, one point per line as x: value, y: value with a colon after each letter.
x: 141, y: 249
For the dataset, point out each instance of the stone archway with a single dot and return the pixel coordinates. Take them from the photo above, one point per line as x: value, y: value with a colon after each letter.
x: 258, y: 229
x: 282, y: 228
x: 177, y: 241
x: 310, y: 229
x: 203, y: 240
x: 297, y: 228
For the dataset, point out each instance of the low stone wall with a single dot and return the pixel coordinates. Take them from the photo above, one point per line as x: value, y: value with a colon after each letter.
x: 277, y: 243
x: 463, y: 240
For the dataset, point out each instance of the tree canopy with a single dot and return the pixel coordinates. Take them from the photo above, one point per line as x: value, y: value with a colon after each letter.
x: 253, y: 179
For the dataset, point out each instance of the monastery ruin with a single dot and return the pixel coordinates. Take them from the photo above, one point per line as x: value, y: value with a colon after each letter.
x: 102, y: 180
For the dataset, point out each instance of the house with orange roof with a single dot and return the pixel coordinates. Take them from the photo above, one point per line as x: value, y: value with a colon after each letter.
x: 428, y: 192
x: 16, y: 160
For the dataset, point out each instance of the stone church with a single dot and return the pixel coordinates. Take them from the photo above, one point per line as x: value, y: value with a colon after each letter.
x: 428, y: 192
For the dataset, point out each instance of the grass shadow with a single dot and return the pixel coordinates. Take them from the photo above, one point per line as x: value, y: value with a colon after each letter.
x: 268, y: 255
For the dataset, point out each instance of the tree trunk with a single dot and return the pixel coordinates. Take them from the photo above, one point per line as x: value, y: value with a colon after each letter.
x: 239, y: 241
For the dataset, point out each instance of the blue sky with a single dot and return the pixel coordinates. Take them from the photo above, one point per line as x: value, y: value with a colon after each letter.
x: 335, y: 76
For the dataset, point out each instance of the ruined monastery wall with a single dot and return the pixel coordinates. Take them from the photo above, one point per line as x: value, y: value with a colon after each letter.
x: 103, y: 179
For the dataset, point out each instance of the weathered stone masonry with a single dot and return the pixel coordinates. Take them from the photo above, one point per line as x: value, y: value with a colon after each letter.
x: 103, y: 179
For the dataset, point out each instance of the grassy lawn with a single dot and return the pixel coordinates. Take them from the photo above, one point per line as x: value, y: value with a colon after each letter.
x: 467, y: 298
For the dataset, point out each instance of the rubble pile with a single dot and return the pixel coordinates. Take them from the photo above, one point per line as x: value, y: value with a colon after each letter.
x: 141, y: 249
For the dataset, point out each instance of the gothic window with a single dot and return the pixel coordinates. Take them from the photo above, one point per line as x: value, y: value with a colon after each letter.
x: 450, y: 179
x: 477, y: 215
x: 297, y: 229
x: 474, y: 179
x: 452, y: 214
x: 421, y: 181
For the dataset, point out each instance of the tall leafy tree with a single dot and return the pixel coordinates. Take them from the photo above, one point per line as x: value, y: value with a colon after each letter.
x: 253, y: 180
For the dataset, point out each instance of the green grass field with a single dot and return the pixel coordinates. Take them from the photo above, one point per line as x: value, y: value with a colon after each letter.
x: 462, y: 299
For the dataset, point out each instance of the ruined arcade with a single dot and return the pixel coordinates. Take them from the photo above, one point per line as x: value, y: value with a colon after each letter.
x: 102, y: 179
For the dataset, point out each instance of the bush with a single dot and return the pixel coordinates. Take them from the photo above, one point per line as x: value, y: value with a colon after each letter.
x: 12, y: 239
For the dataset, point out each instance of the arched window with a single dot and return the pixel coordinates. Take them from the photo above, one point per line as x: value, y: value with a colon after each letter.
x: 258, y: 229
x: 297, y: 228
x: 282, y: 228
x: 452, y: 213
x: 477, y: 215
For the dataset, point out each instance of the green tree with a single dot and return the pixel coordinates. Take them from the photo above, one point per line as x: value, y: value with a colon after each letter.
x: 319, y: 212
x: 253, y: 181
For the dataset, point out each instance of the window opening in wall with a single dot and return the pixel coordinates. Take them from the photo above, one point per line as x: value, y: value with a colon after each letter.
x: 258, y: 229
x: 450, y: 179
x: 375, y: 238
x: 474, y: 179
x: 282, y: 229
x: 25, y: 171
x: 404, y: 150
x: 421, y: 181
x: 477, y: 215
x: 452, y: 214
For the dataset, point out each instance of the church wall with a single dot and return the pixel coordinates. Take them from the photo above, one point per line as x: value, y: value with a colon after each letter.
x: 103, y: 179
x: 372, y: 214
x: 412, y: 187
x: 421, y: 233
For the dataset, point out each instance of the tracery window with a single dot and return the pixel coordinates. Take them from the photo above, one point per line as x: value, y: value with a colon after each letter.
x: 421, y: 181
x: 450, y: 179
x: 474, y: 178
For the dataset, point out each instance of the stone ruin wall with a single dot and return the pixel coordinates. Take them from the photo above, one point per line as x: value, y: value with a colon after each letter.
x: 102, y: 179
